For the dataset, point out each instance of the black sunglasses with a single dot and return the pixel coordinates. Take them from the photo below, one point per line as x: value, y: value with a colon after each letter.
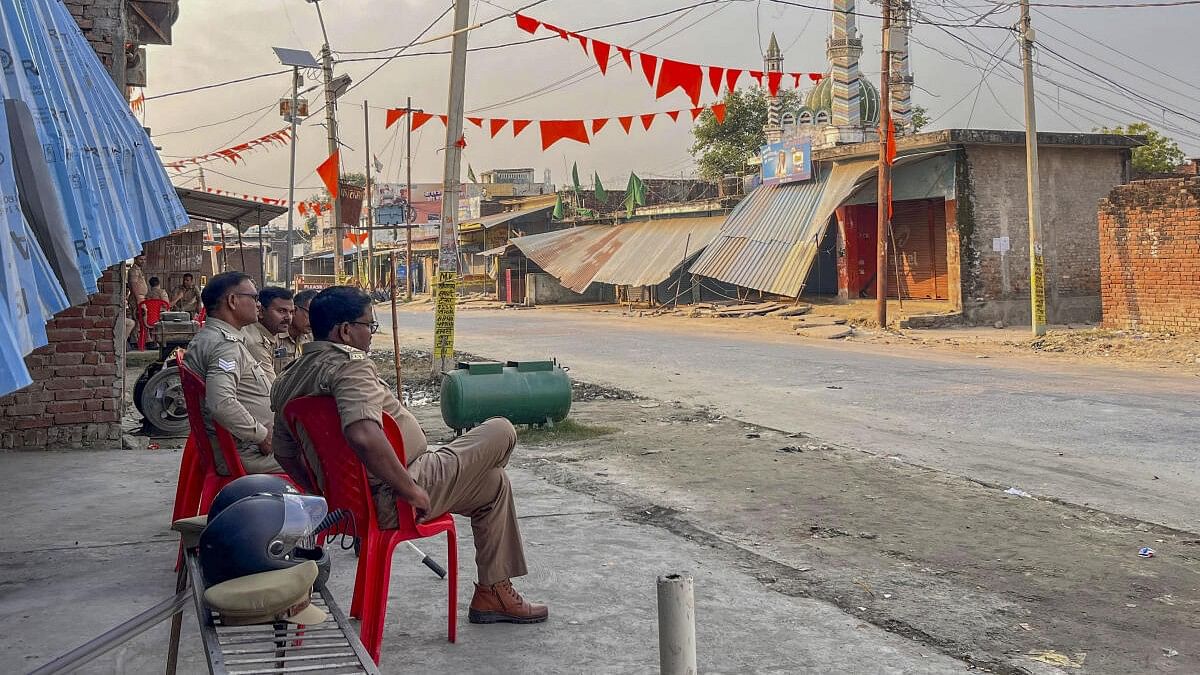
x: 373, y: 326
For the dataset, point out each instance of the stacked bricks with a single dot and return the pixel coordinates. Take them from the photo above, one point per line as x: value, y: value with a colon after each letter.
x: 1150, y: 256
x: 76, y: 398
x: 78, y: 383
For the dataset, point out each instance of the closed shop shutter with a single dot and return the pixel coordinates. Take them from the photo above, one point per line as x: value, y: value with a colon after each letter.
x: 919, y: 238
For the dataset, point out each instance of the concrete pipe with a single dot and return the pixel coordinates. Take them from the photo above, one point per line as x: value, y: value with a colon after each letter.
x: 676, y: 625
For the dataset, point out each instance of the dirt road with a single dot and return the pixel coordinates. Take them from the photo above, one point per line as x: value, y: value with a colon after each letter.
x: 1119, y: 440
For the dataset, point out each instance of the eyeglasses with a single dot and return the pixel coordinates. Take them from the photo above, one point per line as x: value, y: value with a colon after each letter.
x: 247, y: 295
x: 373, y: 326
x: 301, y: 309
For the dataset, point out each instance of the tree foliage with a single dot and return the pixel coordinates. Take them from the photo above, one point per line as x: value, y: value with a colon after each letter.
x: 1160, y: 154
x: 920, y: 117
x: 723, y: 148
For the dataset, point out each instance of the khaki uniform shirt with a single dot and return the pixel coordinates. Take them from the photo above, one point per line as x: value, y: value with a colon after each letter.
x: 350, y: 377
x: 189, y: 300
x: 157, y: 293
x: 137, y: 283
x: 265, y: 348
x: 293, y: 347
x: 237, y: 391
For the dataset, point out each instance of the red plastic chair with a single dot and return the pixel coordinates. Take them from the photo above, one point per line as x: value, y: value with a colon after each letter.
x: 199, y: 481
x: 149, y: 312
x: 346, y: 487
x: 202, y: 315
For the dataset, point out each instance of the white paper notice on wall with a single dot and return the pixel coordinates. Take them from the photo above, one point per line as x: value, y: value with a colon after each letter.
x: 1001, y: 245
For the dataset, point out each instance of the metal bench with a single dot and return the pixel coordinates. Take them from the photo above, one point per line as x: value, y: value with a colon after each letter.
x: 331, y: 647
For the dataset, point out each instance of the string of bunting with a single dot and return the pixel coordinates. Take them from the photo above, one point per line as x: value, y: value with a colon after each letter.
x: 553, y: 131
x: 666, y: 75
x: 246, y: 197
x: 234, y: 153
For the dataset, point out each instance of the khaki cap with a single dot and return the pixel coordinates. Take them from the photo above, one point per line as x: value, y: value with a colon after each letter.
x: 267, y: 597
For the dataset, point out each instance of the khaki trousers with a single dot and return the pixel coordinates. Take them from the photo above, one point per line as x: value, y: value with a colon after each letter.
x: 467, y: 477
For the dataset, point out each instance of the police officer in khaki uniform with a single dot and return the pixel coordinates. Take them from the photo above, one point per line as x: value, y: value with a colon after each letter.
x: 466, y: 477
x: 300, y: 332
x: 237, y: 391
x: 263, y: 336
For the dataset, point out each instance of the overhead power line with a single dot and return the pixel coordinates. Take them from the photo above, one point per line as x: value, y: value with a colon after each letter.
x: 218, y: 84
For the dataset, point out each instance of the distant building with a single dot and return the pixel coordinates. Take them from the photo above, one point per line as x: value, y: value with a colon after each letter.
x: 513, y: 183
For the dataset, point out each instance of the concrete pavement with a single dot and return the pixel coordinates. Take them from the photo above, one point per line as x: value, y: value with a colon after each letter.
x: 88, y: 546
x: 1113, y: 439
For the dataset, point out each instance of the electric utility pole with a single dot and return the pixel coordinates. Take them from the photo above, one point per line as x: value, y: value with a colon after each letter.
x: 1037, y: 269
x: 331, y: 125
x: 447, y: 288
x: 293, y: 114
x: 883, y: 198
x: 408, y: 207
x: 367, y: 201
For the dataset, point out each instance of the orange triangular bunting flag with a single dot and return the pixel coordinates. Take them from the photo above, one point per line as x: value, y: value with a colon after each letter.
x: 393, y: 115
x: 583, y: 42
x: 649, y: 65
x: 715, y: 77
x: 328, y: 171
x: 674, y: 115
x: 554, y: 131
x: 627, y: 55
x: 519, y: 126
x: 496, y: 126
x: 601, y: 50
x: 696, y: 113
x: 731, y: 78
x: 626, y: 122
x: 647, y: 120
x: 477, y: 121
x: 718, y: 111
x: 676, y: 75
x: 773, y: 81
x: 419, y: 119
x: 445, y: 120
x: 597, y: 125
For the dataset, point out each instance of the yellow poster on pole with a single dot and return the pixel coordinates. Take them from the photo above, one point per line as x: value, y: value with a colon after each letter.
x: 446, y: 297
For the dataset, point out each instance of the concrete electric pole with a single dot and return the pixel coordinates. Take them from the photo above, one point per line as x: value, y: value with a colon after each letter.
x: 1037, y: 269
x: 408, y: 207
x: 447, y: 287
x: 331, y: 125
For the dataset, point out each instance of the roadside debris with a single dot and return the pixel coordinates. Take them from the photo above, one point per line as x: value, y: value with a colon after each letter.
x: 1057, y: 659
x: 1017, y: 492
x: 1146, y: 552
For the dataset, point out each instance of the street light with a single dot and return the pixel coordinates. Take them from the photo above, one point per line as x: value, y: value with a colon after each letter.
x: 297, y: 59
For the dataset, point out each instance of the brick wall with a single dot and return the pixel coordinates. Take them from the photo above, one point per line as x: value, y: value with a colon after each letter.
x: 1150, y: 256
x: 76, y: 398
x: 995, y: 284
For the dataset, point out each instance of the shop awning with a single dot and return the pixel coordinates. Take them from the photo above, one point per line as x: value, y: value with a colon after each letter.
x: 770, y: 240
x: 240, y: 213
x: 488, y: 222
x: 638, y: 253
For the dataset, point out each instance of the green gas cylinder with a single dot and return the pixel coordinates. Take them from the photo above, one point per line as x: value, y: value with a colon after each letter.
x: 525, y: 392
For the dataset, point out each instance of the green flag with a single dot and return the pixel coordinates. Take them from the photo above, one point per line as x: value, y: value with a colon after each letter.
x: 558, y: 207
x: 601, y: 195
x: 635, y: 194
x: 471, y: 174
x: 575, y: 176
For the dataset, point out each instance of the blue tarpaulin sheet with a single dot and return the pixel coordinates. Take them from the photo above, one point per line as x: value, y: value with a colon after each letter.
x: 113, y: 192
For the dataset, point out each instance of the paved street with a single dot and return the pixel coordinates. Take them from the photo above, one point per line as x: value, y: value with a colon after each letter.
x: 1117, y: 440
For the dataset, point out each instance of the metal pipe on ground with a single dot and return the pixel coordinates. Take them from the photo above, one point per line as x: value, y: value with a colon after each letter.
x: 676, y: 625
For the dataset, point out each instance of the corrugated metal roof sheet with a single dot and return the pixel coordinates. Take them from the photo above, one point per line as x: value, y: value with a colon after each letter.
x: 488, y: 222
x: 769, y: 241
x: 640, y: 253
x: 240, y: 213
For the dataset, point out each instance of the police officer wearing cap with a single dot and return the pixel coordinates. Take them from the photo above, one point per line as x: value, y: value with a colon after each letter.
x: 237, y: 390
x: 263, y: 336
x: 465, y: 477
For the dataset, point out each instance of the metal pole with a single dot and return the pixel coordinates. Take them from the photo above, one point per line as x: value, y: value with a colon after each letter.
x: 676, y: 625
x: 287, y: 266
x: 367, y: 198
x: 408, y: 207
x: 1037, y: 269
x: 885, y: 172
x: 331, y: 123
x: 396, y: 333
x: 443, y: 339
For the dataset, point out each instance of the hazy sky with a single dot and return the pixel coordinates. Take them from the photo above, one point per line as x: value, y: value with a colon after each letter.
x: 217, y: 40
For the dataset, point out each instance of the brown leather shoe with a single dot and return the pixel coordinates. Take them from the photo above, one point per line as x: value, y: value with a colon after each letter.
x: 501, y: 603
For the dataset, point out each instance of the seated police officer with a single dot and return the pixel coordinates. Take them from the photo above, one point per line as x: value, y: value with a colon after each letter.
x: 263, y: 336
x: 466, y: 477
x: 237, y: 391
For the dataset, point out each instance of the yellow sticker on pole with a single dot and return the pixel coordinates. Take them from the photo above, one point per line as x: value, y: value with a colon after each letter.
x: 1038, y: 281
x: 446, y: 297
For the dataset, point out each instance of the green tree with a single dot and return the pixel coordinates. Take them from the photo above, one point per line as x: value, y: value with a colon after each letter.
x: 920, y: 117
x: 1160, y: 154
x: 723, y: 148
